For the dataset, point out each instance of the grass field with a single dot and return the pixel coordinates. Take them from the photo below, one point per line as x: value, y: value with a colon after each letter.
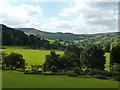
x: 32, y: 56
x: 37, y: 57
x: 19, y: 80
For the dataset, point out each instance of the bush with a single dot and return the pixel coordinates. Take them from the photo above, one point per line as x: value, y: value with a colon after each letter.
x: 100, y: 77
x: 117, y: 78
x: 95, y: 72
x: 112, y: 74
x: 54, y: 69
x: 115, y: 67
x: 71, y: 74
x: 77, y: 70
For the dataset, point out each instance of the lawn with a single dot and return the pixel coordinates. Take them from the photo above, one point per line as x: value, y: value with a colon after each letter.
x: 32, y: 56
x: 19, y: 80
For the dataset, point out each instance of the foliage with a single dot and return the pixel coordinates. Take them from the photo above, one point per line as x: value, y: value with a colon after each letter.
x: 77, y: 70
x: 54, y: 69
x: 106, y: 46
x: 95, y: 72
x: 115, y: 67
x: 72, y: 53
x: 51, y: 60
x: 71, y: 74
x: 93, y: 57
x: 14, y: 61
x: 117, y: 78
x: 115, y: 52
x: 100, y: 77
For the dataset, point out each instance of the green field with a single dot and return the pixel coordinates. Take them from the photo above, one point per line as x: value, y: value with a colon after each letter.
x: 37, y: 57
x: 32, y: 56
x: 19, y: 80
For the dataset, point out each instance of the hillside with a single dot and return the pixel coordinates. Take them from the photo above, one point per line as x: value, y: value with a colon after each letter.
x: 20, y: 33
x: 80, y: 38
x: 13, y: 37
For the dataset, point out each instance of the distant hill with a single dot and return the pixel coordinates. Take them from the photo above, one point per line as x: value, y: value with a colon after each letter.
x: 70, y: 37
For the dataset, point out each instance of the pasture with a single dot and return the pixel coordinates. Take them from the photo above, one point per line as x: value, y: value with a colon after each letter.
x: 19, y: 80
x: 32, y: 56
x: 37, y: 57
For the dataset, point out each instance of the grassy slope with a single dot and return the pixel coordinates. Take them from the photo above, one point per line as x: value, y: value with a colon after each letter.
x: 32, y: 57
x: 18, y: 80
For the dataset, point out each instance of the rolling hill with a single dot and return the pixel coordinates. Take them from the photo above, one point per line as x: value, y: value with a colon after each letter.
x: 70, y: 37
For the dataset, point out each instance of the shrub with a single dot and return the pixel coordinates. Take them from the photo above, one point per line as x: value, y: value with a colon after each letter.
x: 95, y: 72
x: 100, y: 77
x: 77, y: 70
x: 54, y: 69
x: 117, y: 78
x: 112, y: 74
x: 115, y: 67
x: 71, y: 74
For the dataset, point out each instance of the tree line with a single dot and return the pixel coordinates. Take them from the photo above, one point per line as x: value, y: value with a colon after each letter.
x: 90, y: 57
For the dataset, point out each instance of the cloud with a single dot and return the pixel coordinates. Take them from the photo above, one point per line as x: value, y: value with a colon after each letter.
x: 22, y: 15
x: 79, y: 17
x: 96, y: 17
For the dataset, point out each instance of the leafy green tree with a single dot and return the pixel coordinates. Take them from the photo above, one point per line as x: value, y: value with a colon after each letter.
x: 14, y: 61
x: 115, y: 52
x: 93, y: 57
x: 107, y: 46
x: 72, y: 53
x: 51, y: 60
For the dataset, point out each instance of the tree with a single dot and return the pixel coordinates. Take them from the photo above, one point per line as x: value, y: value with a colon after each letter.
x: 107, y: 46
x: 115, y: 52
x: 93, y: 57
x: 72, y: 53
x: 51, y: 60
x: 14, y: 61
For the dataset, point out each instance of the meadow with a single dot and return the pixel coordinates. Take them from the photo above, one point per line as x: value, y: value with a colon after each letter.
x: 37, y: 57
x: 31, y: 56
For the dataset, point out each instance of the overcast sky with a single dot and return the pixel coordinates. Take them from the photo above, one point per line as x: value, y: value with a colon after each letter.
x: 73, y: 16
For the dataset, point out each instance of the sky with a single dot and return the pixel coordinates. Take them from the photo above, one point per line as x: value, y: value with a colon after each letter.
x: 74, y: 16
